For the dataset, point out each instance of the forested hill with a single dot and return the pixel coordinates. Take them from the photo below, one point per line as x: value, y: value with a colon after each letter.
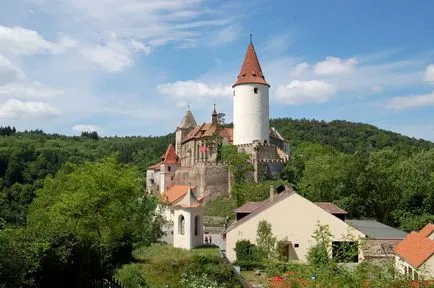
x: 344, y: 136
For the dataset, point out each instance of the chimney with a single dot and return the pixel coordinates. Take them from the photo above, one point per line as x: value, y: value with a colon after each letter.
x: 271, y: 193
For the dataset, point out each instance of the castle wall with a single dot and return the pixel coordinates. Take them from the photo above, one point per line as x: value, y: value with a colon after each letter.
x: 211, y: 179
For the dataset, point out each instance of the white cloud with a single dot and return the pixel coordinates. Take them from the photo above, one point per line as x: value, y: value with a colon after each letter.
x: 304, y: 92
x: 113, y: 57
x: 376, y: 89
x: 23, y: 41
x: 9, y: 72
x: 335, y: 66
x: 429, y: 74
x: 28, y: 90
x: 140, y: 47
x: 87, y: 128
x: 413, y: 101
x: 193, y: 89
x: 300, y: 68
x: 18, y: 109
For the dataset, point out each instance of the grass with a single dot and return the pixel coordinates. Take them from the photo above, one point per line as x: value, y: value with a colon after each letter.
x: 221, y: 206
x: 163, y: 266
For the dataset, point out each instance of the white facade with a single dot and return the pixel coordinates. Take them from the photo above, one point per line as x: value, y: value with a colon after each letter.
x: 425, y: 272
x: 188, y: 222
x: 251, y: 113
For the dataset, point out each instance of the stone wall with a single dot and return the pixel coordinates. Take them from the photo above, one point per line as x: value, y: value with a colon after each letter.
x: 211, y: 179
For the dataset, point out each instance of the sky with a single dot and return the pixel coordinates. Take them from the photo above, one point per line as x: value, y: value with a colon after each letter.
x: 131, y: 67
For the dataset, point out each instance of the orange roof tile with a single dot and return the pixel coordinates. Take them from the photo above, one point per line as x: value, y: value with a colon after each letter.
x: 427, y: 230
x: 170, y: 156
x: 174, y: 193
x: 251, y: 71
x: 415, y: 249
x: 227, y: 133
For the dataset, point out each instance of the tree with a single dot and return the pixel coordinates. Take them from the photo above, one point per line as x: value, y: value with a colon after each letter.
x: 96, y: 210
x: 319, y: 254
x: 238, y: 162
x: 265, y: 239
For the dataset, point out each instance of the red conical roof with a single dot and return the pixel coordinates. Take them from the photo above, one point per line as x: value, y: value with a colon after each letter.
x: 170, y: 156
x: 251, y: 71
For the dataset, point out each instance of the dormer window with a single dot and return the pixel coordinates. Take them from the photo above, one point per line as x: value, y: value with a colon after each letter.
x: 255, y: 90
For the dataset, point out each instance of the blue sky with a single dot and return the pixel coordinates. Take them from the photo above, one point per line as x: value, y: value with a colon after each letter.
x: 130, y: 67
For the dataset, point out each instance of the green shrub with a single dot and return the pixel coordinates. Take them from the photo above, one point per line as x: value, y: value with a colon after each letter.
x: 247, y: 251
x: 222, y: 206
x: 132, y: 276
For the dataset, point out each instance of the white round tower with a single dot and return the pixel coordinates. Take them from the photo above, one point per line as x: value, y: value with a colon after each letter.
x: 251, y: 102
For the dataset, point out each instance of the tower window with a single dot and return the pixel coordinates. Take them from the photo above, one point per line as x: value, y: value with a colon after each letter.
x: 255, y: 90
x: 168, y: 168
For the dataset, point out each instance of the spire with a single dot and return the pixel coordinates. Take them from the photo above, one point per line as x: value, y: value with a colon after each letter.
x: 169, y: 156
x: 214, y: 116
x: 251, y: 71
x: 188, y: 120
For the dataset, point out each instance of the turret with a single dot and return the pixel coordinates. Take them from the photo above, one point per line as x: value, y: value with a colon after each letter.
x: 251, y: 102
x: 186, y: 125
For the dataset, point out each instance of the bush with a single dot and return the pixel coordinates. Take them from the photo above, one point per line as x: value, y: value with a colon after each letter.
x: 221, y: 206
x: 247, y: 251
x: 132, y: 276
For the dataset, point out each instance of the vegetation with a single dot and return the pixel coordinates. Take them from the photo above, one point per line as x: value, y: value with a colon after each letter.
x: 165, y: 266
x: 82, y: 224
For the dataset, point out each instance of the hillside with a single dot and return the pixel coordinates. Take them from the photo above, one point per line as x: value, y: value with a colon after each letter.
x: 345, y: 136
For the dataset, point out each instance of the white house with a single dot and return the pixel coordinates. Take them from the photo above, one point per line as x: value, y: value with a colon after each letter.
x: 188, y: 220
x: 415, y: 254
x: 293, y: 218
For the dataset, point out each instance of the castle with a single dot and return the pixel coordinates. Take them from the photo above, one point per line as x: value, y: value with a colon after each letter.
x: 193, y: 162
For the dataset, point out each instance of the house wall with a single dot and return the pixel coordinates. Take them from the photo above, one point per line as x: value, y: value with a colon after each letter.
x: 295, y: 219
x: 189, y: 240
x: 211, y: 179
x: 167, y: 176
x: 426, y: 271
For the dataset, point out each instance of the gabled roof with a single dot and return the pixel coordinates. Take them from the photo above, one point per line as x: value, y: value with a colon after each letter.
x: 187, y: 121
x: 208, y: 130
x: 251, y: 71
x: 331, y: 208
x: 267, y: 203
x: 415, y: 249
x: 427, y: 230
x: 175, y: 193
x: 169, y: 156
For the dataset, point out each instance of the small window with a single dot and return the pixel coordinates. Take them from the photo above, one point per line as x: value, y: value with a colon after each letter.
x: 255, y: 90
x: 234, y: 92
x: 196, y: 225
x: 168, y: 168
x: 171, y: 177
x: 181, y: 224
x: 296, y: 245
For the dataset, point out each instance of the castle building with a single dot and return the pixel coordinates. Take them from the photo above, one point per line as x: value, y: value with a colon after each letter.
x: 194, y: 160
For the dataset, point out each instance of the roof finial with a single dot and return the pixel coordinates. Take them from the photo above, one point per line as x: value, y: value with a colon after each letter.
x: 250, y: 38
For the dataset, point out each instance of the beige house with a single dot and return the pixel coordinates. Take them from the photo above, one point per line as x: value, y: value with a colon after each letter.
x: 293, y: 218
x: 415, y: 254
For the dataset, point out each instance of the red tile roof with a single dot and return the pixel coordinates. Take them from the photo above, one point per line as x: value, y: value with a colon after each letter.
x: 251, y: 71
x: 175, y: 193
x: 170, y: 156
x: 415, y: 249
x: 330, y: 207
x: 427, y: 230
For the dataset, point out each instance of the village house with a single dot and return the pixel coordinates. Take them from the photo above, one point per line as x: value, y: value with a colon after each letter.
x: 293, y: 218
x: 415, y: 254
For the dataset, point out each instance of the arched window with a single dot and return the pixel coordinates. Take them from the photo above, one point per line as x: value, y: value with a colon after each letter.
x: 196, y: 225
x: 181, y: 224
